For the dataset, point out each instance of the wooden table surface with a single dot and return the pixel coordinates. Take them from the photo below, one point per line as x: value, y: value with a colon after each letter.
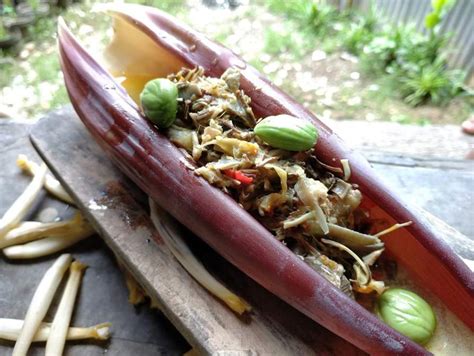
x: 103, y: 294
x: 442, y: 188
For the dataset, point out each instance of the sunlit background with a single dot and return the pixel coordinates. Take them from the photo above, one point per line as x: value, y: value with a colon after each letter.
x: 366, y: 60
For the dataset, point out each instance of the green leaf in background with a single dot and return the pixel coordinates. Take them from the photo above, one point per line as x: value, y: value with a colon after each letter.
x: 431, y: 20
x: 442, y: 5
x: 438, y: 5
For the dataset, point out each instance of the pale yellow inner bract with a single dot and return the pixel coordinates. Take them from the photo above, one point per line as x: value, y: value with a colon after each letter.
x: 134, y: 59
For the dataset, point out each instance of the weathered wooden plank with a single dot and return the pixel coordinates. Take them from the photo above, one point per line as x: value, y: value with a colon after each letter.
x: 103, y: 294
x: 116, y: 208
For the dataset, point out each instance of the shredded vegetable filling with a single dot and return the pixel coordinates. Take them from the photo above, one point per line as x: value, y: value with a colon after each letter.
x: 307, y: 205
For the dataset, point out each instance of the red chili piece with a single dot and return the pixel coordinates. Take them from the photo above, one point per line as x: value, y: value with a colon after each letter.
x: 238, y: 175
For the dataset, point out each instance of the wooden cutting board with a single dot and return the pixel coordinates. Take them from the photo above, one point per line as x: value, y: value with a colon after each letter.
x: 118, y: 211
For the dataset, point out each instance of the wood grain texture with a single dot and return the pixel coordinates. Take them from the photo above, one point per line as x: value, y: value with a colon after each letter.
x: 103, y: 295
x: 118, y: 211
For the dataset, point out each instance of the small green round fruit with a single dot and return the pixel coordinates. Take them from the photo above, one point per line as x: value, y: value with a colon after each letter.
x: 407, y: 313
x: 287, y: 132
x: 159, y: 100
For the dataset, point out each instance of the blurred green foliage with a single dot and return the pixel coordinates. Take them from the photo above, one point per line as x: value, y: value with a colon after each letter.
x: 7, y: 69
x: 285, y: 38
x: 42, y: 34
x: 312, y: 18
x: 431, y: 81
x: 359, y: 32
x: 171, y: 6
x: 34, y: 4
x: 406, y: 63
x: 308, y: 26
x: 414, y: 63
x: 439, y: 9
x: 46, y: 67
x: 3, y: 31
x: 42, y: 30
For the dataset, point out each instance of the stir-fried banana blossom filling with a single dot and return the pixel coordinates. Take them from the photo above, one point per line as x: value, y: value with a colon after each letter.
x: 291, y: 193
